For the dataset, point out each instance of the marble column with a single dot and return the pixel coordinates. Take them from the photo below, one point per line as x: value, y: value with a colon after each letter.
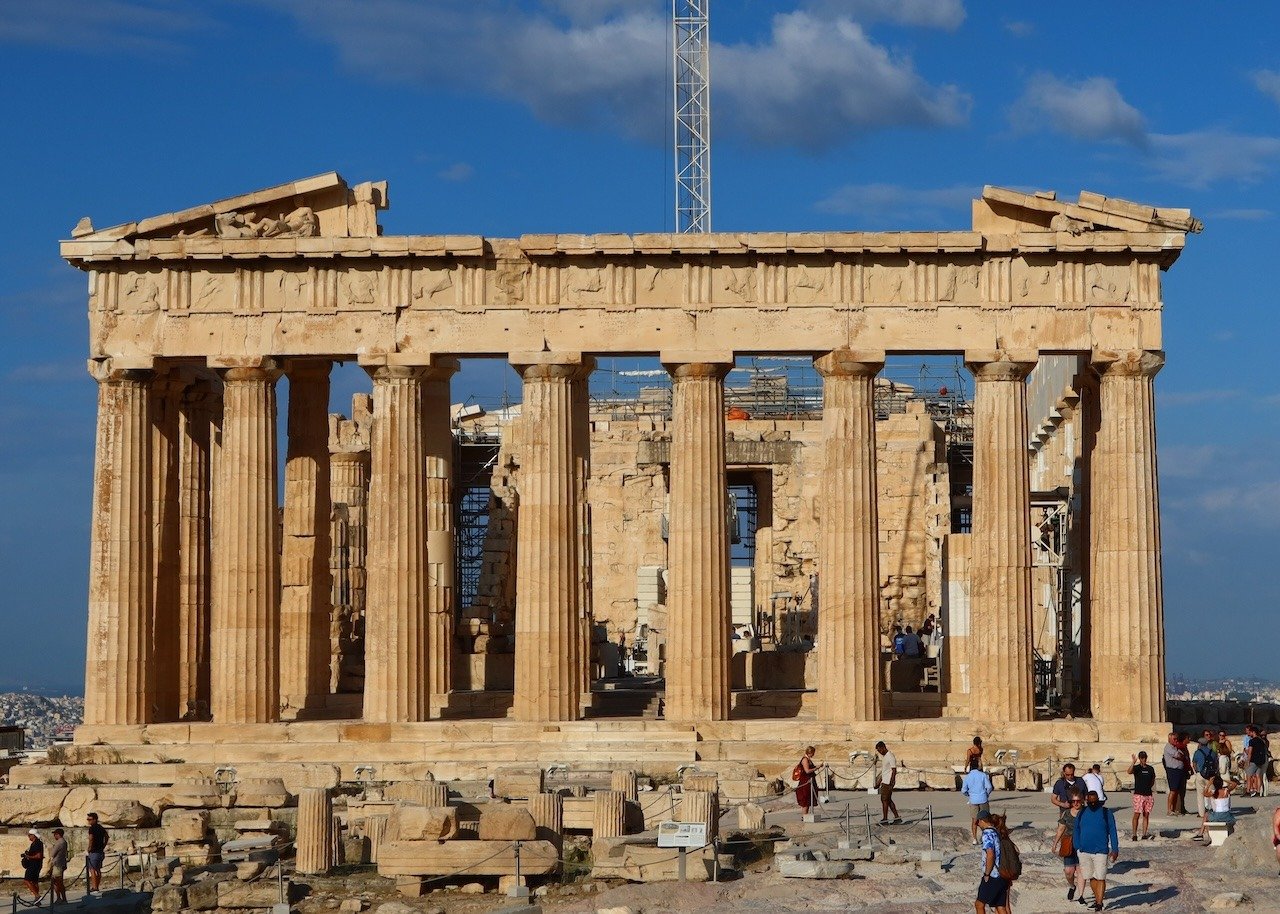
x: 849, y: 668
x: 166, y: 394
x: 698, y: 610
x: 245, y: 671
x: 1001, y: 684
x: 349, y: 486
x: 195, y: 410
x: 548, y: 675
x: 314, y: 853
x: 119, y: 685
x: 304, y: 566
x: 581, y: 406
x: 437, y: 427
x: 1127, y: 606
x: 396, y: 679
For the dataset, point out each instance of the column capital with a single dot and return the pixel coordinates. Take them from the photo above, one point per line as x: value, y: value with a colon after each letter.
x: 1133, y: 363
x: 571, y: 366
x: 1000, y: 364
x: 108, y: 371
x: 395, y: 372
x: 858, y: 363
x: 680, y: 371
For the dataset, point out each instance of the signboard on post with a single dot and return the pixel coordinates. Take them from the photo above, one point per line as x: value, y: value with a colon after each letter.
x: 682, y: 834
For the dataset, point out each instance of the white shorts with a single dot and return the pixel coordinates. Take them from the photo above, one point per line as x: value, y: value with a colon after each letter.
x: 1093, y: 866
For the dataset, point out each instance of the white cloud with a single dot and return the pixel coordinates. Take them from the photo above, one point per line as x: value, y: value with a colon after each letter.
x: 894, y: 204
x: 819, y: 82
x: 1092, y: 109
x: 813, y: 82
x: 458, y: 171
x: 1187, y: 461
x: 937, y: 14
x: 1203, y: 157
x: 1019, y: 28
x: 1255, y: 502
x: 101, y: 25
x: 1268, y: 83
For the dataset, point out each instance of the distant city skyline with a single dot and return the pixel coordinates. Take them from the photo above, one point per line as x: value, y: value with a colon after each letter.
x: 502, y: 117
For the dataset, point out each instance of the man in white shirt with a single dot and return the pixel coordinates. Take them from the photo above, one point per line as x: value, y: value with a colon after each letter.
x: 1093, y: 781
x: 887, y: 777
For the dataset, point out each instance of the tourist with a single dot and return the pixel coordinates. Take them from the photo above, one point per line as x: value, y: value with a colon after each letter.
x: 1064, y: 846
x: 1175, y: 773
x: 1062, y: 787
x: 1204, y: 765
x: 805, y: 774
x: 1223, y: 744
x: 58, y: 867
x: 1144, y: 786
x: 1256, y: 767
x: 1184, y: 739
x: 993, y: 890
x: 96, y: 853
x: 910, y: 644
x: 32, y: 863
x: 1275, y: 832
x: 973, y: 752
x: 978, y: 788
x: 926, y: 631
x: 886, y: 778
x: 899, y: 642
x: 1217, y: 806
x: 1094, y: 834
x: 1093, y: 781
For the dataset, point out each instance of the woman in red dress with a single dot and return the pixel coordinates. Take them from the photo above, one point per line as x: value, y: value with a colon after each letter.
x: 804, y: 774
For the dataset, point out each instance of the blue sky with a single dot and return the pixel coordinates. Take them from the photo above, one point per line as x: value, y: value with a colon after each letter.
x: 509, y: 116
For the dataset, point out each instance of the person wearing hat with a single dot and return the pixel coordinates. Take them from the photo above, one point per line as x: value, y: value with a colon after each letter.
x: 58, y: 867
x: 32, y: 863
x: 993, y: 890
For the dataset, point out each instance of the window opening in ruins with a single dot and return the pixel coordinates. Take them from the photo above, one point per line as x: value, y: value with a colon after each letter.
x: 744, y: 520
x: 476, y: 454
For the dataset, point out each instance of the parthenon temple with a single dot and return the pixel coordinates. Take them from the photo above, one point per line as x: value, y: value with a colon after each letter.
x: 701, y: 558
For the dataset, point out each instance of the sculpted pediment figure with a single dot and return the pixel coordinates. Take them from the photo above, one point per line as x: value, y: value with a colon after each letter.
x: 318, y: 206
x: 1001, y: 210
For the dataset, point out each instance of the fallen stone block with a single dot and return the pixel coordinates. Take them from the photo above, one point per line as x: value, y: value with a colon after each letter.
x: 751, y: 817
x: 264, y: 893
x: 203, y: 895
x: 32, y: 805
x: 1224, y: 900
x: 477, y: 858
x: 628, y: 858
x: 169, y: 898
x: 422, y: 823
x: 796, y: 868
x: 263, y: 792
x: 194, y: 854
x: 501, y: 822
x: 521, y: 783
x: 185, y: 825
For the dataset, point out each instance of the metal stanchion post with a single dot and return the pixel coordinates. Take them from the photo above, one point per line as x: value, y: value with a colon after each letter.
x: 280, y: 881
x: 867, y: 810
x: 519, y: 890
x: 122, y: 866
x: 715, y: 859
x: 931, y: 826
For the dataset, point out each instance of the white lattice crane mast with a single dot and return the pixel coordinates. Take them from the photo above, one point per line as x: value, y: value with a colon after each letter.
x: 692, y: 71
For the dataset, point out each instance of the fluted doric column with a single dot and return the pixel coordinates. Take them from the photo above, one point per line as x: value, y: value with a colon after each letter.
x: 245, y: 671
x: 849, y: 680
x: 397, y: 679
x: 195, y: 410
x: 349, y: 486
x: 438, y: 445
x: 698, y: 613
x: 1001, y: 684
x: 304, y: 568
x: 548, y: 676
x: 1127, y: 604
x: 582, y: 467
x: 166, y: 393
x: 119, y: 685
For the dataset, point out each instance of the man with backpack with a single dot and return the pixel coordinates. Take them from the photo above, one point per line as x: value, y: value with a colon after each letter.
x: 1205, y: 764
x: 1001, y: 865
x: 1096, y: 841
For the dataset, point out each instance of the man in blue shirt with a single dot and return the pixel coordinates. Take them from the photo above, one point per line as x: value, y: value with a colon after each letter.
x: 1094, y: 835
x: 977, y: 787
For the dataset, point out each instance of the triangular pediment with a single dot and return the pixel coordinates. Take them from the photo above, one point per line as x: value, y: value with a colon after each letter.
x: 322, y: 205
x: 1003, y: 210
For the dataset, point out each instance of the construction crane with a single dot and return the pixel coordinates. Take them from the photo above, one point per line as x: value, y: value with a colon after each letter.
x: 692, y: 71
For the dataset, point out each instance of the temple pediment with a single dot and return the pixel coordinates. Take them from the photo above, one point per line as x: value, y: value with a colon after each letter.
x: 320, y: 206
x: 1003, y: 210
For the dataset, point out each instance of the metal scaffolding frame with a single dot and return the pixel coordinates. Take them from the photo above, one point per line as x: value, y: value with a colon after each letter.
x: 692, y: 109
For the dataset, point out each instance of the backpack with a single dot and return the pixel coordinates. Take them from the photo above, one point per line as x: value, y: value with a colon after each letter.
x: 1010, y: 859
x: 1206, y: 762
x: 797, y: 773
